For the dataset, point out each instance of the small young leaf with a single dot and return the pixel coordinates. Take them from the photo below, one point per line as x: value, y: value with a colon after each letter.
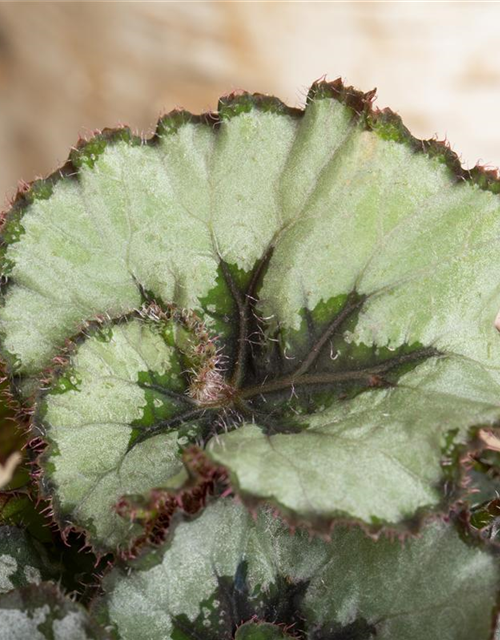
x: 224, y: 569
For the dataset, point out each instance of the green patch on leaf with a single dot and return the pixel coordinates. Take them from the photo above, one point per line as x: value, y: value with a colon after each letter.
x: 237, y: 104
x: 89, y: 151
x: 68, y: 381
x: 40, y: 190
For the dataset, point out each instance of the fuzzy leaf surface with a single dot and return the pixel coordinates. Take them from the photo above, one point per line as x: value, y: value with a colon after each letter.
x: 225, y: 568
x: 346, y: 270
x: 121, y: 382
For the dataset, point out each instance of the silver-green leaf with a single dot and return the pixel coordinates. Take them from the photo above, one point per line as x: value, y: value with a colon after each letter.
x: 23, y: 560
x: 44, y: 613
x: 225, y: 569
x: 344, y: 270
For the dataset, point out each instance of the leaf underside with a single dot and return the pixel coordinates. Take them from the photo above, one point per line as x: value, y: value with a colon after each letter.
x: 308, y: 295
x: 225, y: 573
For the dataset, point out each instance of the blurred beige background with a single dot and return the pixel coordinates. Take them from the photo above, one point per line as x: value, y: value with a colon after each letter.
x: 69, y: 68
